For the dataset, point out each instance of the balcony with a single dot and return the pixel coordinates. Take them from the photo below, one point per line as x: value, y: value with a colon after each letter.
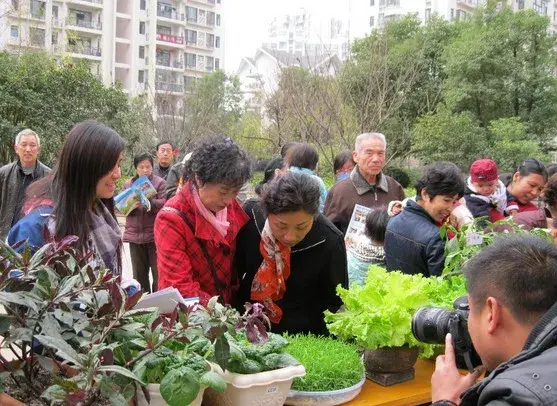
x: 202, y: 20
x: 170, y: 64
x: 85, y: 50
x: 90, y: 3
x: 173, y: 39
x: 169, y: 87
x: 171, y: 15
x: 204, y: 2
x: 90, y: 25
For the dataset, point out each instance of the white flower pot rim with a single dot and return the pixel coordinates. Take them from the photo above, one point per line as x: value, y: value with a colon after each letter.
x: 243, y: 381
x: 293, y: 393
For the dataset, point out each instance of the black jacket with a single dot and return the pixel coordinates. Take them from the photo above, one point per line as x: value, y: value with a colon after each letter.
x: 13, y: 183
x: 530, y: 378
x: 318, y: 265
x: 413, y: 244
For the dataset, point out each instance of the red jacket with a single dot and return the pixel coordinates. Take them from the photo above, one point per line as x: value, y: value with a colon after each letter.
x: 180, y: 260
x: 140, y: 222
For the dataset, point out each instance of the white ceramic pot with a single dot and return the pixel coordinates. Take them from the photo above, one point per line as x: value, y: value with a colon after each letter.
x: 157, y: 400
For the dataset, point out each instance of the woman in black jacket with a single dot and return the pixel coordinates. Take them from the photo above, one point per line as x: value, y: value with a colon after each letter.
x: 290, y: 257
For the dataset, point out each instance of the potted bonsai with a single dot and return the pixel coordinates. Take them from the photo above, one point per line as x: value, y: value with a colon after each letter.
x: 334, y: 371
x: 378, y: 316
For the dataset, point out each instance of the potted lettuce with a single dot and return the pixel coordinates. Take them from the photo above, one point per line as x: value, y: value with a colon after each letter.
x: 378, y: 316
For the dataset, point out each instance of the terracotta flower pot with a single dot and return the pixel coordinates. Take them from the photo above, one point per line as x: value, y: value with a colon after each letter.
x: 7, y: 400
x: 390, y: 360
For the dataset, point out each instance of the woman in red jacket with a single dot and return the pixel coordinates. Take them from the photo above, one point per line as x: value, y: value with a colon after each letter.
x: 140, y: 223
x: 527, y: 184
x: 195, y: 233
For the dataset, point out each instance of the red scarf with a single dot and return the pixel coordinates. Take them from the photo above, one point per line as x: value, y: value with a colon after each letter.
x: 269, y: 283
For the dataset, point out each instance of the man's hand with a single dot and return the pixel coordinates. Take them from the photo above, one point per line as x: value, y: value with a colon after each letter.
x: 446, y: 382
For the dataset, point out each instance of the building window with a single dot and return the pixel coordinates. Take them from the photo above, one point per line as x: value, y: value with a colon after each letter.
x: 15, y: 4
x: 191, y: 60
x: 210, y: 64
x: 191, y: 37
x: 54, y: 38
x: 427, y: 14
x: 452, y: 14
x: 142, y: 27
x: 141, y: 76
x: 14, y: 29
x: 217, y: 42
x: 189, y: 80
x: 55, y: 12
x: 521, y: 4
x: 371, y: 21
x: 191, y: 14
x: 218, y: 1
x: 161, y: 29
x: 141, y: 52
x: 217, y: 63
x: 142, y: 4
x: 372, y: 3
x: 218, y: 20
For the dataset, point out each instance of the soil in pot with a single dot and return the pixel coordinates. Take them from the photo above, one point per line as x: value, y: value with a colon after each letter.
x: 389, y: 366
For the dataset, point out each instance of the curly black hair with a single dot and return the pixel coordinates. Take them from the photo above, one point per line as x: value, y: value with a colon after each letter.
x: 291, y: 192
x: 220, y: 162
x: 550, y: 192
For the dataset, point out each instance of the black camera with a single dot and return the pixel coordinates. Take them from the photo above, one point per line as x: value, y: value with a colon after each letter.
x: 432, y: 324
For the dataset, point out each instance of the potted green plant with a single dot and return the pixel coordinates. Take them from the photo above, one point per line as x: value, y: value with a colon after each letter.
x: 378, y: 315
x: 258, y: 370
x: 334, y: 371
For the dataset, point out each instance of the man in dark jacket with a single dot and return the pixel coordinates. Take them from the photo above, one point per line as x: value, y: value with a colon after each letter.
x: 512, y: 288
x: 16, y: 176
x: 367, y: 185
x: 165, y: 156
x: 412, y: 241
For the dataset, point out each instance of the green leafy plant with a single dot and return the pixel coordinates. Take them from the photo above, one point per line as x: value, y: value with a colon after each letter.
x: 461, y: 245
x: 249, y: 358
x: 330, y: 364
x: 379, y: 314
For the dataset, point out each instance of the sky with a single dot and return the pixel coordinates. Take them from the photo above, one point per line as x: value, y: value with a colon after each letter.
x: 247, y: 21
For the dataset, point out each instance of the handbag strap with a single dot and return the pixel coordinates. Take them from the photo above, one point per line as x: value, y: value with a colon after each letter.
x: 218, y: 284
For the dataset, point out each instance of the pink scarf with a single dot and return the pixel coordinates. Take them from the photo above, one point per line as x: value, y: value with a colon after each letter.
x: 218, y: 221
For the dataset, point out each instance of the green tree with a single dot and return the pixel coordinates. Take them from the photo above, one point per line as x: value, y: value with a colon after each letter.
x: 447, y: 136
x: 502, y: 65
x: 48, y: 96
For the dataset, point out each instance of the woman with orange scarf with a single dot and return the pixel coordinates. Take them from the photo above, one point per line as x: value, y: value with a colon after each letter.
x: 290, y: 257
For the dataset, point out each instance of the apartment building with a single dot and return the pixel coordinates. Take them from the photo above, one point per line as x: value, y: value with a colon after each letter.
x: 149, y: 47
x: 308, y: 33
x: 367, y: 15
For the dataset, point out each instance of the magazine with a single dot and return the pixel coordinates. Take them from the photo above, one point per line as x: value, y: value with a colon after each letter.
x: 165, y: 300
x: 137, y: 195
x: 356, y: 228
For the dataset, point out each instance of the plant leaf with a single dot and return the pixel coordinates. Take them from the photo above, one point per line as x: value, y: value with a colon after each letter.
x: 180, y: 386
x: 222, y: 351
x: 20, y: 298
x: 63, y: 349
x: 122, y: 371
x: 213, y: 380
x: 108, y: 390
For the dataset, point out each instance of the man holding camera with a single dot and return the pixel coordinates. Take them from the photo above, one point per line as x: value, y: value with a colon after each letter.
x: 512, y: 287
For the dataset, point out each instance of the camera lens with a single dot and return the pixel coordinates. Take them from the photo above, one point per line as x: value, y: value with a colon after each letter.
x: 431, y: 325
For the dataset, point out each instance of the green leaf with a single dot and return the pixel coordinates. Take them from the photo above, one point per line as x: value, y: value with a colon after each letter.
x: 107, y: 387
x: 63, y: 349
x: 68, y: 285
x: 5, y: 323
x: 20, y: 298
x: 54, y: 393
x: 222, y: 351
x: 213, y: 380
x: 122, y: 371
x: 64, y: 317
x: 180, y: 386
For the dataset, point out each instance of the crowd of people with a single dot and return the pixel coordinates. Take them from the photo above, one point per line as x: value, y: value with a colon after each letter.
x: 285, y: 247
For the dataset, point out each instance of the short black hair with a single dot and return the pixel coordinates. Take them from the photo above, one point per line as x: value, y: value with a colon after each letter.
x: 269, y: 174
x: 441, y: 178
x: 376, y: 224
x: 162, y: 143
x: 286, y: 147
x: 520, y: 271
x: 291, y: 192
x: 302, y: 155
x: 532, y: 166
x: 551, y: 169
x: 341, y: 159
x: 550, y: 192
x: 142, y: 157
x: 221, y: 162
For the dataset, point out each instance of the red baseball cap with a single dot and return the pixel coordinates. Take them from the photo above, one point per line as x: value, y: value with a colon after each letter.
x: 484, y: 169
